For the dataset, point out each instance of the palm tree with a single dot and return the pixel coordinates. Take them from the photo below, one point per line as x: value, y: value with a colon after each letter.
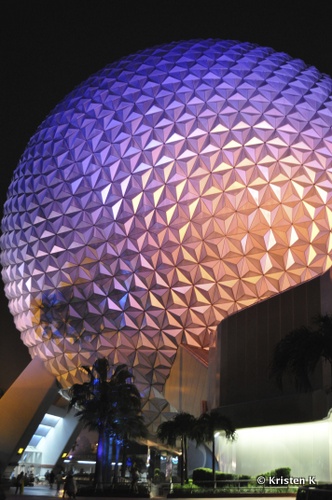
x: 299, y: 352
x: 207, y: 425
x: 94, y: 409
x: 133, y: 427
x: 129, y: 425
x: 182, y: 426
x: 107, y: 405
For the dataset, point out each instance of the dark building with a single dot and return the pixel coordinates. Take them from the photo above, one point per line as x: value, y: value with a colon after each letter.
x: 240, y: 383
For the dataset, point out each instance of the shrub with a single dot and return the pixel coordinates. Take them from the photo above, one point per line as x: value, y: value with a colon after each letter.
x: 283, y: 472
x: 277, y: 473
x: 158, y: 476
x: 224, y: 479
x: 245, y: 480
x: 204, y: 477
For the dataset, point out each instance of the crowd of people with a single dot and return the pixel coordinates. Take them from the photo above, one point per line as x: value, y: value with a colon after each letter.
x: 65, y: 481
x: 60, y: 480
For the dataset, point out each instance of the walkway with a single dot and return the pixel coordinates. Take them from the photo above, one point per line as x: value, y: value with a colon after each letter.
x: 35, y: 492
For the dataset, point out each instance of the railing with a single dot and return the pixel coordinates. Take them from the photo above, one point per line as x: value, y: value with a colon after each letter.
x: 225, y: 485
x: 122, y: 485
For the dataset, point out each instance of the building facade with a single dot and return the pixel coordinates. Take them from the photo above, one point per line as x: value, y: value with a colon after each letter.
x: 276, y: 428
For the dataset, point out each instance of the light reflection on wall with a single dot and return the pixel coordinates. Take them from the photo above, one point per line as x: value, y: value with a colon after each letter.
x: 305, y: 448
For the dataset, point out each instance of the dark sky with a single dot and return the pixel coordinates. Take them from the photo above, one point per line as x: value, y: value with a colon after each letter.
x: 50, y: 47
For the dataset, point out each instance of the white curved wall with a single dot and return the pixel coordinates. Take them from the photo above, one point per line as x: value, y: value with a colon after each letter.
x: 305, y: 448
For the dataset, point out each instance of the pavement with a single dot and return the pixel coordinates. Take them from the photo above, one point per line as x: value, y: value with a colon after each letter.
x: 36, y: 492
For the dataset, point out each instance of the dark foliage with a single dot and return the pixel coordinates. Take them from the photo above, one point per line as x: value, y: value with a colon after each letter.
x: 112, y: 406
x: 204, y: 477
x: 300, y: 351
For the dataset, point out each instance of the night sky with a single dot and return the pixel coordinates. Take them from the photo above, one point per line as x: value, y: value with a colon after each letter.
x: 48, y: 48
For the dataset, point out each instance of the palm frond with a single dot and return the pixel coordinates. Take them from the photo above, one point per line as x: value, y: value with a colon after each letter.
x: 211, y: 422
x: 299, y: 352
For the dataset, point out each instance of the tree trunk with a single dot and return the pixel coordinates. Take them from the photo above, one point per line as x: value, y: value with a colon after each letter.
x: 214, y: 462
x: 109, y: 460
x: 117, y: 456
x: 124, y: 456
x: 185, y: 449
x: 100, y: 458
x: 182, y: 461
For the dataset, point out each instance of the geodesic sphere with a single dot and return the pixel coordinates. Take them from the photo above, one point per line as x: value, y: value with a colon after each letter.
x: 174, y: 187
